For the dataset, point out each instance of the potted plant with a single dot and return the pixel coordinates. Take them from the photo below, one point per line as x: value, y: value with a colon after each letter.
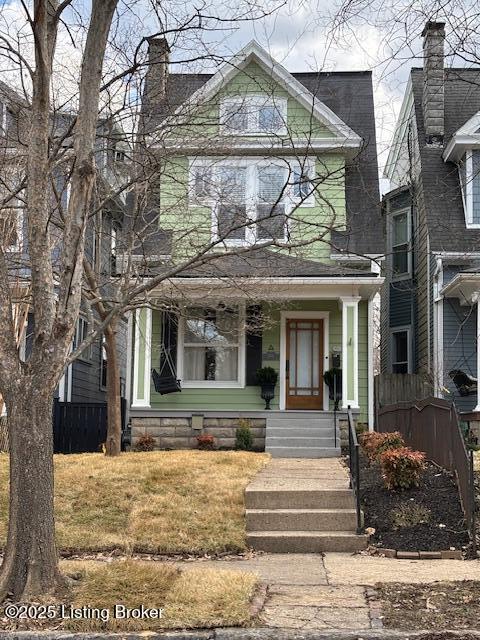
x: 333, y: 380
x: 267, y: 379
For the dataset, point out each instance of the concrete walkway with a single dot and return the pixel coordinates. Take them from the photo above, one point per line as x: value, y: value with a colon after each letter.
x: 311, y: 592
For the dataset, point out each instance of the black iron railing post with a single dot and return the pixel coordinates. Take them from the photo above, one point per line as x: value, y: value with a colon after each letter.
x: 354, y: 463
x: 335, y: 408
x: 473, y: 518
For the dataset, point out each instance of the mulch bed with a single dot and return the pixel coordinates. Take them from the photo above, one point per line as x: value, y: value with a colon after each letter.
x: 397, y: 518
x: 442, y: 605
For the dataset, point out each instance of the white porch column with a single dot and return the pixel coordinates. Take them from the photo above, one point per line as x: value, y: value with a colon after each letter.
x: 476, y: 298
x: 373, y: 316
x: 142, y: 355
x: 350, y: 351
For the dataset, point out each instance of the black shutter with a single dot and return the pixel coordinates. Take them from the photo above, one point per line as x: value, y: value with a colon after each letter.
x: 169, y: 333
x: 253, y: 344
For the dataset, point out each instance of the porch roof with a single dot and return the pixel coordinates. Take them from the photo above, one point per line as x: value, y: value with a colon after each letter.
x: 465, y: 286
x: 265, y: 263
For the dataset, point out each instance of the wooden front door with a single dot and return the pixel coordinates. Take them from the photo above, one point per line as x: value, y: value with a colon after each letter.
x: 304, y: 364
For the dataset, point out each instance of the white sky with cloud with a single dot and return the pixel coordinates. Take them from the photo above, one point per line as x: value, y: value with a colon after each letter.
x: 298, y: 36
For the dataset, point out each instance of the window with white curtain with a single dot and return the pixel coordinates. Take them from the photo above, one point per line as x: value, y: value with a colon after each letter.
x: 250, y: 198
x: 212, y: 343
x: 253, y: 114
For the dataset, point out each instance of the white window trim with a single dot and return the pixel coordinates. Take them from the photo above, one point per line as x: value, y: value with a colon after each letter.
x: 468, y: 195
x: 253, y: 103
x: 251, y: 164
x: 393, y: 214
x: 403, y: 329
x: 216, y: 384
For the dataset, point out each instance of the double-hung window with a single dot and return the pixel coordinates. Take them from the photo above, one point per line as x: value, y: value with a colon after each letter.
x: 212, y: 347
x: 11, y: 219
x: 400, y: 240
x: 81, y: 334
x: 401, y: 351
x: 469, y: 172
x: 250, y: 198
x: 253, y: 115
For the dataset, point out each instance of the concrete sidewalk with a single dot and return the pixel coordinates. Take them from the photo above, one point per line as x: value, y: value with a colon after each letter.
x: 311, y: 592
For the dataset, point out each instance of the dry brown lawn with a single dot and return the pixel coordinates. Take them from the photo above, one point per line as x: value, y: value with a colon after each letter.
x: 197, y: 598
x: 159, y: 502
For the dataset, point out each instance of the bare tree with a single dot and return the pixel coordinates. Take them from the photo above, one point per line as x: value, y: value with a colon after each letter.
x: 58, y: 274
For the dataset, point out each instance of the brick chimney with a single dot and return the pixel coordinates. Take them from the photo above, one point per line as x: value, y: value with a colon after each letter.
x: 433, y: 82
x: 156, y: 77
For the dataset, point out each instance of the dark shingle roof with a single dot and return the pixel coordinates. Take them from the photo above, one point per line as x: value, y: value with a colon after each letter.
x: 266, y: 263
x: 440, y: 180
x: 350, y: 96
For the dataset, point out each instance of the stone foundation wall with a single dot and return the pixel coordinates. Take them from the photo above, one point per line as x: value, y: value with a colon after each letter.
x: 177, y: 433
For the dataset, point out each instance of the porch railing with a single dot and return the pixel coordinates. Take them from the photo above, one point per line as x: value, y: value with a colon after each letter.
x: 354, y: 463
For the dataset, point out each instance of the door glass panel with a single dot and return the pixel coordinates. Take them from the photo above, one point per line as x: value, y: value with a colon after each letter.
x: 293, y: 360
x: 305, y: 357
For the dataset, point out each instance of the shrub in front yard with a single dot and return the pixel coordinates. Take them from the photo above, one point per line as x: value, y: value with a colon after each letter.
x: 402, y: 467
x: 409, y: 514
x: 206, y: 442
x: 145, y: 443
x: 244, y: 437
x: 374, y: 443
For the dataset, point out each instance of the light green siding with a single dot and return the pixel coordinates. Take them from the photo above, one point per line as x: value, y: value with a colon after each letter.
x: 248, y: 398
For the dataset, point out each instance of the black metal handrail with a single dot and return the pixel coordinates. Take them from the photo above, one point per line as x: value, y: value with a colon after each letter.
x: 354, y: 463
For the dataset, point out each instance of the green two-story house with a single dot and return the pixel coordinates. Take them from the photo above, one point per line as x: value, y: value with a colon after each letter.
x: 265, y: 222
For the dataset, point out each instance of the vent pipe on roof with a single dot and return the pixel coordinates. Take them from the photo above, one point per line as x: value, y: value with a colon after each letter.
x: 433, y: 82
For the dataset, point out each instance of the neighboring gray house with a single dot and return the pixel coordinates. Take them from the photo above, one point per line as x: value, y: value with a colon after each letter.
x: 84, y: 380
x: 430, y: 310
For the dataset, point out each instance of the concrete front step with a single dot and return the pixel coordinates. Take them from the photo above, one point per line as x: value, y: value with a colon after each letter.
x: 301, y: 442
x: 304, y: 519
x: 302, y: 452
x: 273, y: 498
x: 301, y: 432
x: 295, y: 423
x: 306, y: 541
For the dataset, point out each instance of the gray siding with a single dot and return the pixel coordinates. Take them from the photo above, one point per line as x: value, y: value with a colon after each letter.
x: 401, y: 303
x: 476, y: 187
x: 459, y: 348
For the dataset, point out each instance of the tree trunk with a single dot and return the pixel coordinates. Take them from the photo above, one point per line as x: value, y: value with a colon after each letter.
x: 114, y: 414
x: 30, y: 565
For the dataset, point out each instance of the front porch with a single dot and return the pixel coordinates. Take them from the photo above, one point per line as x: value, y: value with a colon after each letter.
x: 216, y: 354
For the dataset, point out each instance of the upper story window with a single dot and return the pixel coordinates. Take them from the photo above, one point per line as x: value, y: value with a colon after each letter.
x: 6, y: 118
x: 400, y: 241
x: 469, y: 172
x: 401, y: 350
x: 251, y: 198
x: 11, y: 220
x: 250, y: 115
x: 81, y: 334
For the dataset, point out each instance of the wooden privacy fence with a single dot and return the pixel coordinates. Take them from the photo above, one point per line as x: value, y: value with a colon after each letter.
x: 391, y: 388
x: 431, y: 425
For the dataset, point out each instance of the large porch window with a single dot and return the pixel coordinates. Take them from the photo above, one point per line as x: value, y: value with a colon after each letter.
x: 211, y: 347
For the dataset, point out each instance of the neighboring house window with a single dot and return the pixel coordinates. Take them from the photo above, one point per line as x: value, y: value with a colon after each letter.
x: 211, y: 347
x: 401, y: 350
x: 113, y: 250
x: 6, y: 118
x: 251, y: 198
x: 11, y: 221
x: 81, y: 334
x: 400, y: 244
x: 103, y: 364
x: 253, y: 115
x: 469, y: 172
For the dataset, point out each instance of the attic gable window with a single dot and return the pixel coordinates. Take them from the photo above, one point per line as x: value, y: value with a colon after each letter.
x: 469, y: 173
x: 250, y: 115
